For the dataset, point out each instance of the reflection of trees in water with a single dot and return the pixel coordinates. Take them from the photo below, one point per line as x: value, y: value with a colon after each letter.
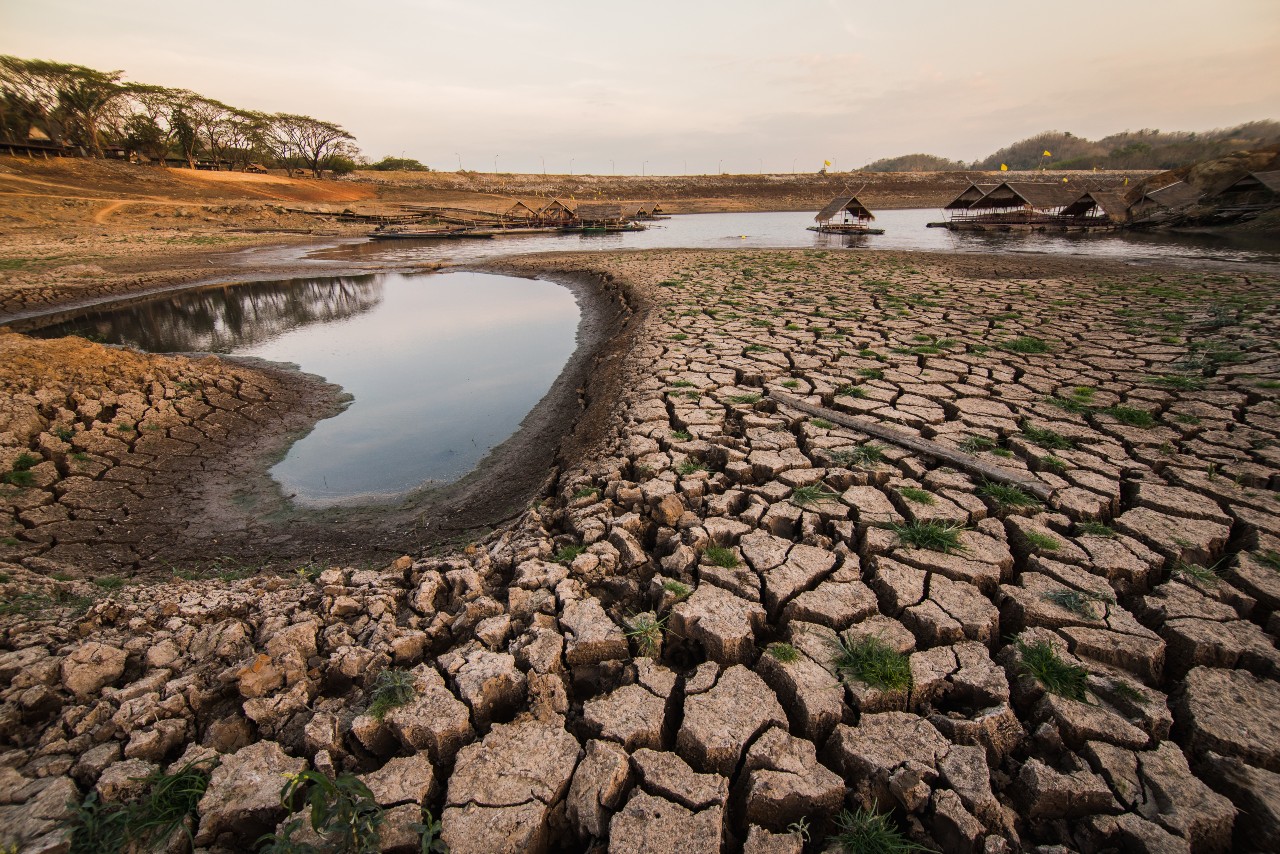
x: 222, y: 319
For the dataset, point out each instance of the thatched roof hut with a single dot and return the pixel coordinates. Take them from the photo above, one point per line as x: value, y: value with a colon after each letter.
x: 1171, y: 197
x: 1028, y: 196
x: 970, y: 195
x: 599, y: 213
x: 553, y: 210
x: 520, y: 211
x: 847, y: 208
x: 1254, y: 191
x: 1103, y: 205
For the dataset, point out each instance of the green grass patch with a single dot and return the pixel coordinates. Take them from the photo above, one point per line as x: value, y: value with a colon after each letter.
x: 586, y: 492
x: 1095, y: 529
x: 1042, y: 662
x: 681, y: 435
x: 1007, y: 495
x: 977, y: 444
x: 109, y: 582
x: 144, y: 824
x: 1078, y: 602
x: 935, y: 536
x: 1130, y: 416
x: 678, y: 589
x: 342, y: 811
x: 392, y: 689
x: 850, y: 390
x: 784, y: 652
x: 874, y: 662
x: 1046, y: 438
x: 1026, y: 344
x: 1268, y: 558
x: 567, y: 554
x: 1054, y: 464
x: 919, y: 496
x: 689, y: 467
x: 803, y: 496
x: 871, y: 373
x: 1179, y: 382
x: 646, y: 631
x: 865, y: 831
x: 1043, y: 542
x: 822, y: 424
x: 718, y: 555
x: 744, y: 399
x: 1207, y: 574
x: 866, y: 454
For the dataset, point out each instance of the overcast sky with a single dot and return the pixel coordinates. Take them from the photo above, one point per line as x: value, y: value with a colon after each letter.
x: 691, y: 86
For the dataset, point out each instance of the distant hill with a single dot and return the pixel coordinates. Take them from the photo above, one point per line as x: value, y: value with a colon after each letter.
x: 1143, y: 149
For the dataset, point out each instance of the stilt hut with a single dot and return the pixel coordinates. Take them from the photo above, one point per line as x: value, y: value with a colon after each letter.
x: 1096, y: 209
x: 1251, y: 194
x: 845, y: 215
x: 959, y: 206
x: 554, y: 212
x: 1021, y: 203
x: 1171, y: 198
x: 519, y: 214
x: 602, y: 216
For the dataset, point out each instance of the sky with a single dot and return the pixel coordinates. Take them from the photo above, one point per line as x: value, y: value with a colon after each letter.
x: 690, y: 87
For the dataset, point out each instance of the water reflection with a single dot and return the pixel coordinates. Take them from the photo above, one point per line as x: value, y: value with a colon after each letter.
x: 227, y: 318
x: 904, y: 229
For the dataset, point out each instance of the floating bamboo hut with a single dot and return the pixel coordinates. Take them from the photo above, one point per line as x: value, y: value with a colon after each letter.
x: 1249, y: 195
x: 845, y: 215
x: 1095, y: 210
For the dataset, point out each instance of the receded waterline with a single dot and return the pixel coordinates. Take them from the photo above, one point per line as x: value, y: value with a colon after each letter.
x: 441, y: 367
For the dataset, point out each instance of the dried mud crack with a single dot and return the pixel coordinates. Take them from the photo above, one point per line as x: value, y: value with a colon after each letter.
x: 727, y: 620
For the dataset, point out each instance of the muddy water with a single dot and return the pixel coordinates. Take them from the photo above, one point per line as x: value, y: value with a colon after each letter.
x: 441, y: 368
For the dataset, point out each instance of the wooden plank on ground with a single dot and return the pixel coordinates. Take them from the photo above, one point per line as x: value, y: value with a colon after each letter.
x: 959, y: 459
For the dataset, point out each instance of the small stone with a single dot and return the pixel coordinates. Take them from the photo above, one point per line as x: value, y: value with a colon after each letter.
x: 91, y: 667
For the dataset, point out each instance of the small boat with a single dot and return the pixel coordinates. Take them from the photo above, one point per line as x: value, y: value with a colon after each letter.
x: 845, y: 215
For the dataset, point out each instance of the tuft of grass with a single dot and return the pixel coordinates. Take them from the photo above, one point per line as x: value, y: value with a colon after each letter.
x: 822, y: 423
x: 678, y: 589
x: 1268, y: 558
x: 1046, y: 438
x: 567, y: 554
x: 646, y: 630
x: 1207, y: 574
x: 1054, y: 464
x: 919, y: 496
x: 681, y: 435
x: 866, y: 454
x: 586, y: 492
x: 1094, y: 529
x: 144, y: 824
x: 784, y: 652
x: 1027, y: 344
x: 1043, y: 542
x: 803, y: 496
x: 1179, y: 382
x: 720, y: 556
x: 935, y: 536
x: 977, y: 444
x: 855, y: 391
x: 872, y: 661
x: 744, y: 398
x: 1078, y: 602
x: 109, y: 582
x: 393, y: 688
x: 1041, y: 661
x: 1069, y: 404
x: 1007, y: 495
x: 1130, y: 416
x: 690, y: 466
x: 865, y: 831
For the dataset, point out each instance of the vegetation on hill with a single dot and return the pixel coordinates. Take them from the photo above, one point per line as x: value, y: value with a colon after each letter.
x: 915, y: 163
x: 398, y: 164
x: 99, y: 113
x: 1143, y: 149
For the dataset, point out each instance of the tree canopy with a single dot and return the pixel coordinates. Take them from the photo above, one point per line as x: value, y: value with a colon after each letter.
x: 88, y: 111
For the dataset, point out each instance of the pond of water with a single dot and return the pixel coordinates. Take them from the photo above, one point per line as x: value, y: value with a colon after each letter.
x: 441, y: 368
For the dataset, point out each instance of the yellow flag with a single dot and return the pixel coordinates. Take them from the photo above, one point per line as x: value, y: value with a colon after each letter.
x: 1064, y: 180
x: 826, y: 163
x: 1126, y: 182
x: 1048, y: 154
x: 1004, y: 168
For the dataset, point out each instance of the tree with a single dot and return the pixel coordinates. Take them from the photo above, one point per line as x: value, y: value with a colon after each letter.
x: 84, y: 98
x: 315, y: 140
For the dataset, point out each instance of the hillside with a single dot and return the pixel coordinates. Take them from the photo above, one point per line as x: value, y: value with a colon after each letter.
x: 1142, y: 149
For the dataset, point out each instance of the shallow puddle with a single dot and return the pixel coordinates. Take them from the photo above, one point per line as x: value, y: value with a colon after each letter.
x: 442, y: 368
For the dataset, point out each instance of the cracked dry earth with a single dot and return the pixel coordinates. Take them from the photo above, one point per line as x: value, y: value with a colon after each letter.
x: 647, y: 660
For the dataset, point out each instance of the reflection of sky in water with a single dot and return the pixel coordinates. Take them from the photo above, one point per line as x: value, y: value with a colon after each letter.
x: 442, y: 370
x: 442, y: 367
x: 904, y: 229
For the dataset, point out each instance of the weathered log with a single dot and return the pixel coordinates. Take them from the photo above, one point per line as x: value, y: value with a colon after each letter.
x: 959, y: 459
